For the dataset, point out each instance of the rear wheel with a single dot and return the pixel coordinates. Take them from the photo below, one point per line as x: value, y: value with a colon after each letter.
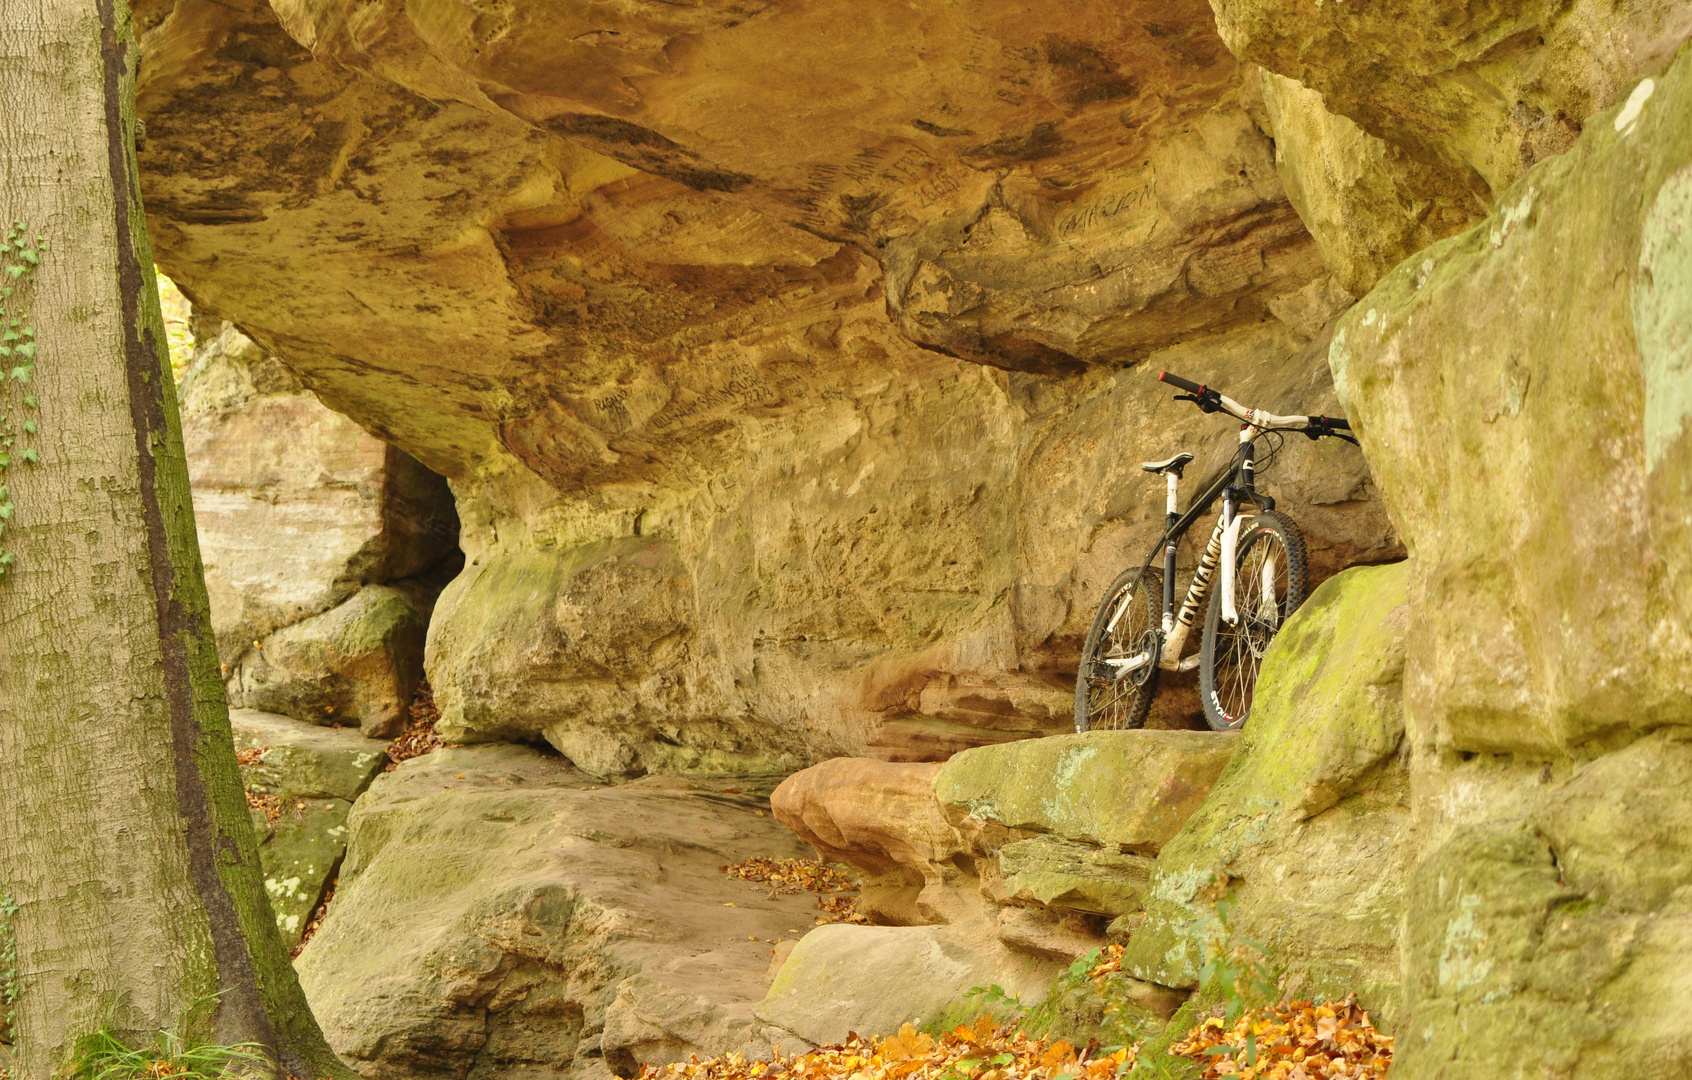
x: 1269, y: 582
x: 1118, y: 675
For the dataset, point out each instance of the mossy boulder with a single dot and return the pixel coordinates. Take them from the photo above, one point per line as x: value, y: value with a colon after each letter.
x: 1123, y: 790
x: 1521, y: 392
x: 357, y: 663
x: 1308, y: 828
x: 309, y: 777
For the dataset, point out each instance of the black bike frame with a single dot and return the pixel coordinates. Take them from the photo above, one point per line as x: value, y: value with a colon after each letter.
x: 1234, y: 486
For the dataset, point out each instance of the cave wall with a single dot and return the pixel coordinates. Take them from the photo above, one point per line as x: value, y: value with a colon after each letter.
x: 786, y: 415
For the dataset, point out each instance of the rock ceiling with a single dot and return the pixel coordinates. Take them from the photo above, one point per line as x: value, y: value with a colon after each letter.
x: 553, y: 231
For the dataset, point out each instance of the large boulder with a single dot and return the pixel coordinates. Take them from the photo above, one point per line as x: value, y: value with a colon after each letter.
x: 307, y: 778
x: 359, y: 662
x: 1545, y: 703
x: 875, y: 979
x: 1308, y: 830
x: 1127, y: 791
x: 300, y: 512
x: 500, y: 912
x: 883, y: 819
x: 1550, y: 605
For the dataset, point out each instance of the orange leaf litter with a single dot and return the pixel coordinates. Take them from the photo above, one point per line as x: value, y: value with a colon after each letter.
x: 983, y: 1051
x: 1295, y: 1041
x: 790, y: 876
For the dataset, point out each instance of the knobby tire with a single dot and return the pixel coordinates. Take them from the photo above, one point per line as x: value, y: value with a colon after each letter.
x: 1231, y: 657
x: 1102, y: 703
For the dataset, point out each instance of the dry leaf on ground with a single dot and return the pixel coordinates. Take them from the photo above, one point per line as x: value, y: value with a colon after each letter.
x: 791, y: 876
x: 419, y: 737
x: 1296, y: 1041
x: 984, y: 1050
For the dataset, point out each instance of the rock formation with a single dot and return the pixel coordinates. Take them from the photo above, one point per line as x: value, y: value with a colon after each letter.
x: 790, y: 367
x: 324, y: 548
x: 500, y: 912
x: 771, y: 439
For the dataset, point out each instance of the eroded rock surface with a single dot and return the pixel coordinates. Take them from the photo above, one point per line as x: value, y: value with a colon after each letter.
x: 501, y: 912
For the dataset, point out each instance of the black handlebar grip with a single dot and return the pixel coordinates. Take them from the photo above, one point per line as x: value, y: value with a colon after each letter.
x: 1177, y: 381
x: 1337, y: 423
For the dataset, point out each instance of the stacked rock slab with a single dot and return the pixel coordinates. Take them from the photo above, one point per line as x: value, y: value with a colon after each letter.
x: 311, y: 776
x: 882, y: 818
x: 1024, y: 851
x: 324, y: 548
x: 500, y: 913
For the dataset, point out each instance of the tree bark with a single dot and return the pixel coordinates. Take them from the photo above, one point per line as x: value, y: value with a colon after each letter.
x: 124, y: 831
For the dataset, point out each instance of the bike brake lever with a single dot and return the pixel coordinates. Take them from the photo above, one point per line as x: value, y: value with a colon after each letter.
x: 1206, y: 403
x: 1316, y: 433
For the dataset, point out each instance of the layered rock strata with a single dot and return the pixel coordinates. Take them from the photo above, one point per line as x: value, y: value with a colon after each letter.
x: 996, y: 868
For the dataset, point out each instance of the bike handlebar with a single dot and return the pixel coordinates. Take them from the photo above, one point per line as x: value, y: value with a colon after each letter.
x: 1214, y: 401
x: 1177, y: 381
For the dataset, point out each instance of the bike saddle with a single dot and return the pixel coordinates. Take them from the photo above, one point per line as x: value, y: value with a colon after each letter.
x: 1174, y: 464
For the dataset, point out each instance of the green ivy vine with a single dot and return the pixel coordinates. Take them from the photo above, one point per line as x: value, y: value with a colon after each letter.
x: 9, y: 962
x: 19, y: 259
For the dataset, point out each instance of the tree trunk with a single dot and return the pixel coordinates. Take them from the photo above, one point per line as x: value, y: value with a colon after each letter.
x: 124, y: 832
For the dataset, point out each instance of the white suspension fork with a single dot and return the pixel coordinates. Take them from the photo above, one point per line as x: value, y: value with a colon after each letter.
x: 1230, y: 551
x: 1197, y: 591
x: 1231, y: 538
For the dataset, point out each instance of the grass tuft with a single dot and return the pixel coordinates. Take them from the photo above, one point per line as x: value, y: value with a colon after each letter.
x: 103, y: 1056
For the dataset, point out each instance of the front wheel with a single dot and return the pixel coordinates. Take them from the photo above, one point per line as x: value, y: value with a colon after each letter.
x: 1269, y: 583
x: 1118, y: 675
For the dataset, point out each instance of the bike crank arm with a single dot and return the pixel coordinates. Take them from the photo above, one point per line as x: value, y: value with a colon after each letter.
x: 1126, y: 664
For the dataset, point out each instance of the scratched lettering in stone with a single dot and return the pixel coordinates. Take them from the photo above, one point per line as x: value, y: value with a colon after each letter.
x: 909, y: 166
x: 746, y: 387
x: 823, y: 177
x: 866, y: 163
x: 1103, y: 210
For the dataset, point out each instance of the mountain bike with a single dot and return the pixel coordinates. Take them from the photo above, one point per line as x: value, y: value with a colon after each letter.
x: 1256, y: 557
